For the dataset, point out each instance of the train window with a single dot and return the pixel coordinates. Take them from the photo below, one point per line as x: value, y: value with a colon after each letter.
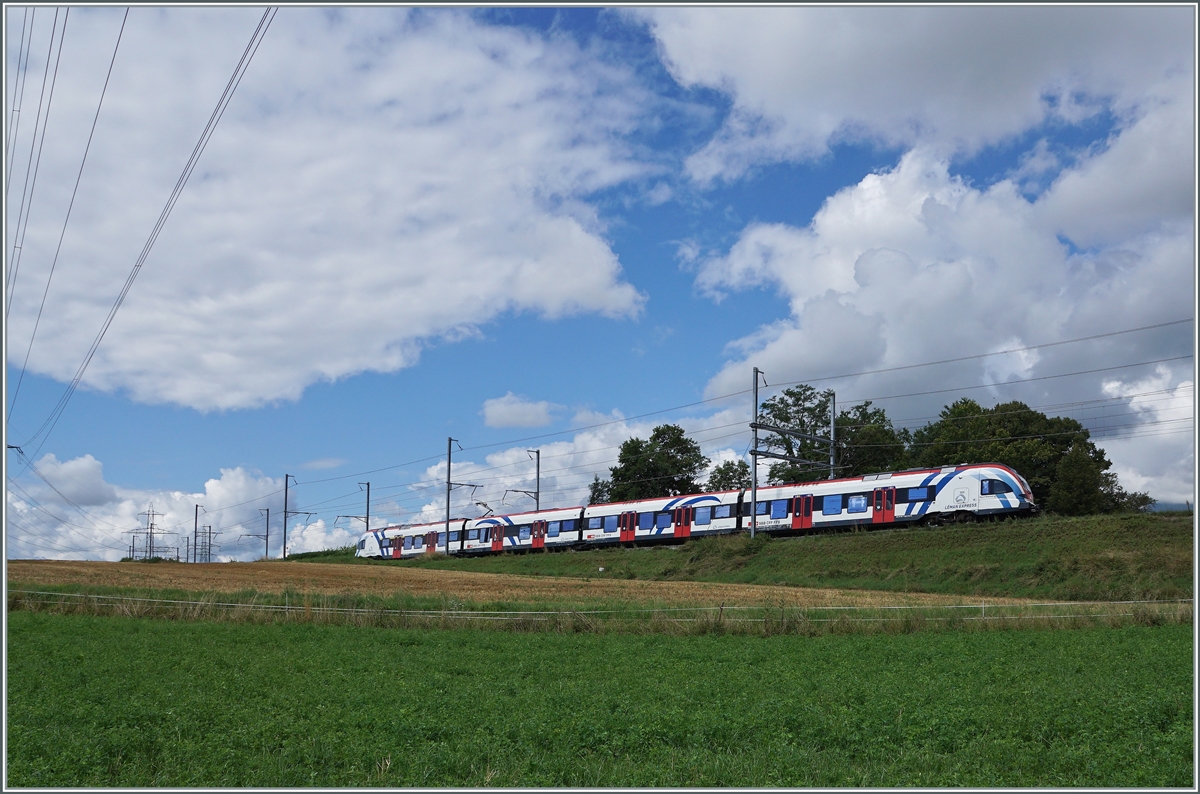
x: 723, y: 511
x: 552, y: 529
x: 662, y: 520
x: 441, y: 540
x: 779, y: 508
x: 408, y: 543
x: 418, y: 542
x: 645, y: 521
x: 595, y: 523
x: 832, y: 505
x: 362, y: 544
x: 922, y: 494
x: 523, y: 532
x: 610, y: 523
x: 472, y: 534
x: 703, y: 515
x: 762, y: 508
x: 987, y: 487
x: 856, y: 504
x: 570, y: 525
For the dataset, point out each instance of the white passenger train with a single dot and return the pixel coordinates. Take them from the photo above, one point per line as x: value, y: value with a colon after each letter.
x: 918, y: 496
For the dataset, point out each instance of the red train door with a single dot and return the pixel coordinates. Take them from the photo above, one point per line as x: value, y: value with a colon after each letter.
x: 683, y: 522
x: 627, y: 523
x: 538, y: 534
x: 802, y: 512
x: 884, y: 511
x: 497, y: 535
x: 430, y: 542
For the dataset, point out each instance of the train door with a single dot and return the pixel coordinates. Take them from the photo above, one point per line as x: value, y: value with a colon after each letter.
x: 627, y: 524
x: 802, y: 512
x: 430, y: 542
x: 884, y: 511
x: 496, y: 533
x: 682, y: 519
x: 538, y: 535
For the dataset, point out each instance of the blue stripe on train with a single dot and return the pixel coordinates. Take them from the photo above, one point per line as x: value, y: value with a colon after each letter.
x: 937, y: 487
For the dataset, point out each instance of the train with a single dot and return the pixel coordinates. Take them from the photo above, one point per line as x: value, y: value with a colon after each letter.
x: 965, y: 492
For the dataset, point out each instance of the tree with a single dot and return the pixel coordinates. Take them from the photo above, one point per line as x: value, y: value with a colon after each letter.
x: 667, y: 464
x: 1077, y: 488
x: 867, y: 443
x: 1118, y: 500
x: 732, y: 475
x: 598, y: 491
x: 1037, y: 446
x: 805, y: 410
x: 1010, y: 433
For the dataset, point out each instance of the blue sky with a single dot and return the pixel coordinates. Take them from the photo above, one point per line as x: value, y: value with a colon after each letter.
x: 509, y: 224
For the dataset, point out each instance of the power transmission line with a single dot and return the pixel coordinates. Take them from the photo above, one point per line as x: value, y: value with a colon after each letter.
x: 523, y: 439
x: 962, y: 388
x: 70, y: 206
x: 235, y: 79
x: 14, y: 119
x: 1021, y: 380
x: 593, y: 464
x: 31, y: 184
x: 987, y: 355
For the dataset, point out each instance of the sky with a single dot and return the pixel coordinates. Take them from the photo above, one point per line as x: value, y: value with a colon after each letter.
x: 554, y: 229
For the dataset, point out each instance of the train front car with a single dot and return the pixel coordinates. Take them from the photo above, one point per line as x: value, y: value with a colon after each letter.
x: 888, y: 499
x: 979, y: 490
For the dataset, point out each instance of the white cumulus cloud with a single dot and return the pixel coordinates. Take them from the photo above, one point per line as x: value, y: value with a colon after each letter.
x: 955, y: 79
x: 513, y: 411
x: 915, y: 265
x: 74, y: 513
x: 383, y: 179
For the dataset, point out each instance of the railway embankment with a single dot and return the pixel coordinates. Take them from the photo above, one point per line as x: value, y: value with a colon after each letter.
x: 1109, y: 557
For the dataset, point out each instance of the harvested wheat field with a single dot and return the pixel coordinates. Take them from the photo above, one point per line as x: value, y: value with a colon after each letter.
x: 330, y: 579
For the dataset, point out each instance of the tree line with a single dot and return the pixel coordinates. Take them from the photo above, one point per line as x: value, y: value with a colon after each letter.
x: 1066, y: 471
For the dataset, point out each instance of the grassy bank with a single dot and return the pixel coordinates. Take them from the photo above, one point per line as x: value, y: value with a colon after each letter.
x: 599, y: 617
x: 1116, y: 557
x: 127, y: 702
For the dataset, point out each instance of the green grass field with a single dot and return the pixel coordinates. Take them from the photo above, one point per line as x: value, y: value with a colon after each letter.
x: 110, y: 701
x: 1115, y: 557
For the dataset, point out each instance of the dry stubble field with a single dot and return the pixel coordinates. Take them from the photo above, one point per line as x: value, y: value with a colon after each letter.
x: 334, y: 579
